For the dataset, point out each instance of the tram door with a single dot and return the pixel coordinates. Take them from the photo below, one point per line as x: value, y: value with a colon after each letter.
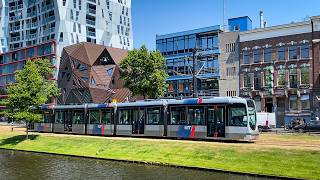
x: 138, y: 121
x: 216, y: 122
x: 68, y: 121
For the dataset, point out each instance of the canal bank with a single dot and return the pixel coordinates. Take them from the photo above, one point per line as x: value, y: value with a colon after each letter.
x: 241, y: 158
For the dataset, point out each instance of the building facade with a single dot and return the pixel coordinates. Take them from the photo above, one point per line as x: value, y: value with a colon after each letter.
x: 279, y: 69
x: 205, y: 58
x: 186, y: 51
x: 66, y: 22
x: 90, y: 73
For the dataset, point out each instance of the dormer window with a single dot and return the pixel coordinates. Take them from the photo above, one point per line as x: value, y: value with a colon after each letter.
x: 104, y: 60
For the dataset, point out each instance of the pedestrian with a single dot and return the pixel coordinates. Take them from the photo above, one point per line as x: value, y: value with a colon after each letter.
x: 12, y: 126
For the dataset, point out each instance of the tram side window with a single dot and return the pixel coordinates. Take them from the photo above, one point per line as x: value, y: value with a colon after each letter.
x: 77, y: 117
x: 178, y: 115
x: 196, y: 115
x: 154, y: 116
x: 238, y: 115
x: 94, y: 117
x: 59, y: 117
x: 106, y: 116
x: 47, y: 117
x: 124, y: 115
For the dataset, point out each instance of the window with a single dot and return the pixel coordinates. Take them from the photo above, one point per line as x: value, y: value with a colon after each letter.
x: 305, y: 50
x: 281, y: 53
x: 77, y: 15
x: 74, y: 4
x: 93, y: 82
x: 293, y: 52
x: 61, y: 37
x: 256, y: 56
x: 102, y: 13
x: 71, y: 14
x: 94, y: 117
x: 154, y: 116
x: 246, y: 57
x: 293, y: 103
x: 124, y: 116
x: 304, y: 75
x: 79, y: 4
x: 257, y: 81
x: 106, y: 116
x: 77, y: 117
x: 64, y: 2
x: 305, y: 102
x: 110, y: 16
x: 281, y: 77
x: 74, y: 27
x: 267, y: 55
x: 178, y: 115
x: 120, y: 19
x: 247, y: 80
x: 293, y: 78
x: 79, y: 28
x: 118, y: 27
x: 59, y: 119
x: 196, y: 116
x: 108, y: 4
x: 238, y: 115
x: 110, y: 71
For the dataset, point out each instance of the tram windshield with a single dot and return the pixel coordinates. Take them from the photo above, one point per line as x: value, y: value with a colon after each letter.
x: 252, y: 114
x: 238, y: 115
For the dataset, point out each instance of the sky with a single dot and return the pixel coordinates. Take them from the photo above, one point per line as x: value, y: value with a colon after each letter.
x: 151, y: 17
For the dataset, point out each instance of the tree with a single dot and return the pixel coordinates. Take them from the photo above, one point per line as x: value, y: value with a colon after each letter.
x: 144, y: 72
x: 32, y: 89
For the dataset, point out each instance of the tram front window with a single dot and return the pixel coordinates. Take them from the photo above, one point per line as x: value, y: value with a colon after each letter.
x: 252, y: 114
x: 238, y: 115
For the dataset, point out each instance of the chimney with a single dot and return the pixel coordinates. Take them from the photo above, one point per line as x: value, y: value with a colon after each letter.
x: 261, y: 19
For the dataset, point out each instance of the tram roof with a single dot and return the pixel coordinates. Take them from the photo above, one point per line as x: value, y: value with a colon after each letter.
x: 209, y: 100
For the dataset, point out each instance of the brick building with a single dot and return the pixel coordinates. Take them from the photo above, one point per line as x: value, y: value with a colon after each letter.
x: 279, y: 69
x: 89, y: 73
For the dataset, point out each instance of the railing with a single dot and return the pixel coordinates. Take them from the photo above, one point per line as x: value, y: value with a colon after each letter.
x: 14, y: 18
x: 91, y: 22
x: 31, y: 36
x: 91, y: 33
x: 32, y: 25
x: 15, y: 28
x: 31, y: 14
x: 15, y: 38
x: 51, y: 18
x: 48, y: 31
x: 92, y: 11
x: 47, y: 7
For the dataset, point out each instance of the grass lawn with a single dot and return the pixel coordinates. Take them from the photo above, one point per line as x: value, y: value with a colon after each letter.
x: 241, y: 157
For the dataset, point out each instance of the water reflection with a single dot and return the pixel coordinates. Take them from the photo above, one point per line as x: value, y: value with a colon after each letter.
x: 24, y: 165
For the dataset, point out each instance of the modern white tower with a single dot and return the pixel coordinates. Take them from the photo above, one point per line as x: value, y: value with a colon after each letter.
x: 105, y: 22
x: 3, y: 26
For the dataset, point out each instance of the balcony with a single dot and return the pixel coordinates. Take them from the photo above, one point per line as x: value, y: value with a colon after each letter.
x: 32, y: 25
x: 91, y: 11
x: 15, y: 18
x: 14, y: 28
x: 30, y: 14
x: 48, y: 31
x: 31, y: 36
x: 90, y: 33
x: 47, y: 7
x: 51, y: 18
x: 91, y: 22
x: 13, y: 39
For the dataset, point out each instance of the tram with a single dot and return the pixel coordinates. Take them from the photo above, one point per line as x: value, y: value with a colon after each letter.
x: 222, y: 118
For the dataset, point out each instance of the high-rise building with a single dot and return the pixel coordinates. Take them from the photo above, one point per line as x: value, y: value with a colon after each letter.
x: 3, y: 26
x: 65, y: 22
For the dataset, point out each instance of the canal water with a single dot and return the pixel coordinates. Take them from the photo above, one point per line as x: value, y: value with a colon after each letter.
x: 24, y: 165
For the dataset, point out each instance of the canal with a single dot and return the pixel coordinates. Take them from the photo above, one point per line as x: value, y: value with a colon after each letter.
x: 25, y: 165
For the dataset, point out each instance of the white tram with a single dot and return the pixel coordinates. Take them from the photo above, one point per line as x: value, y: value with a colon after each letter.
x: 223, y: 118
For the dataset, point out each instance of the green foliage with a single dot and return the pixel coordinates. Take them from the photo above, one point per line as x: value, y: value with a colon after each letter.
x: 32, y: 89
x: 144, y: 72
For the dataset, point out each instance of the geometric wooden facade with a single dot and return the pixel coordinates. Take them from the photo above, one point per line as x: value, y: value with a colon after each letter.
x: 89, y: 73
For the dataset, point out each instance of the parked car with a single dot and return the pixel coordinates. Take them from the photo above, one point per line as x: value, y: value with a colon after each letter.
x: 312, y: 126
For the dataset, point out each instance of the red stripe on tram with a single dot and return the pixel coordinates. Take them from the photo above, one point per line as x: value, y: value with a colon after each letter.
x: 102, y: 129
x: 193, y: 130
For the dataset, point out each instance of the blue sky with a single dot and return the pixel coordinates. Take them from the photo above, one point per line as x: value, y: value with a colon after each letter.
x: 151, y: 17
